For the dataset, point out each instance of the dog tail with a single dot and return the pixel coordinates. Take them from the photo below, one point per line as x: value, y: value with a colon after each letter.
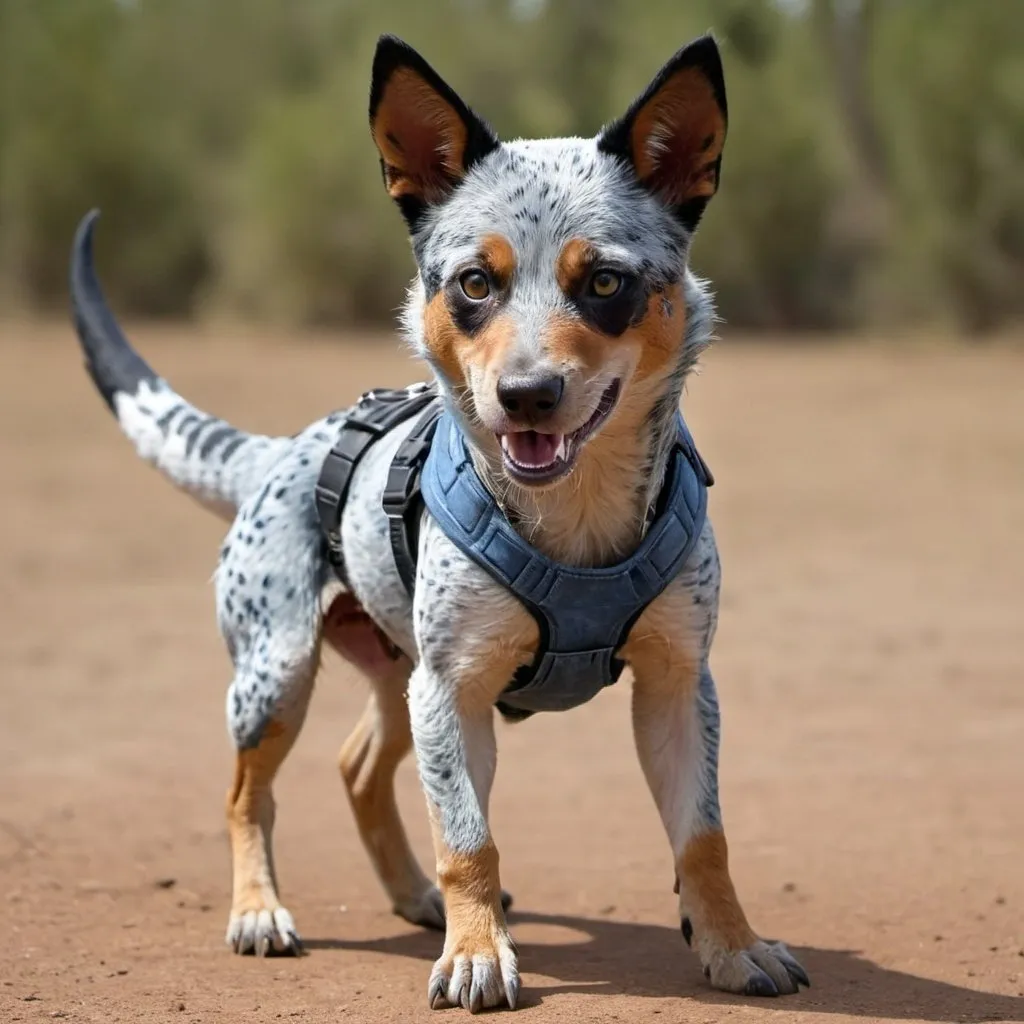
x: 216, y: 463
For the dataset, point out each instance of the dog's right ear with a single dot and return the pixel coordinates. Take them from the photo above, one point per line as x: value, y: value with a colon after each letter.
x: 426, y: 136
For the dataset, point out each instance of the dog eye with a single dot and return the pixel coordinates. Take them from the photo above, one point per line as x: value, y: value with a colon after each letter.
x: 475, y: 285
x: 605, y: 283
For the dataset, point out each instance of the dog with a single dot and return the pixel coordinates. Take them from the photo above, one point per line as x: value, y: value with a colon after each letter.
x: 556, y: 309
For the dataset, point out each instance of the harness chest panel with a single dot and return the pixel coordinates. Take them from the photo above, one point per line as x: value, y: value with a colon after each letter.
x: 583, y: 615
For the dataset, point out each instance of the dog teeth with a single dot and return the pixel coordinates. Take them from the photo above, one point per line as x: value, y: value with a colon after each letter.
x: 504, y: 443
x: 560, y: 450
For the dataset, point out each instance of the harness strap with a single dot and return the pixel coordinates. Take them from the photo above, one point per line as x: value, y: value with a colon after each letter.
x: 374, y: 415
x: 401, y: 500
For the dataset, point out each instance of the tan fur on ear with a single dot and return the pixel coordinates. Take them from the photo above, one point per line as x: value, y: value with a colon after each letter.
x: 677, y: 138
x: 421, y: 138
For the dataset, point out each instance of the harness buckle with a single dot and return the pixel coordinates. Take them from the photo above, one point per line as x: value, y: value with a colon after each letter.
x: 397, y: 496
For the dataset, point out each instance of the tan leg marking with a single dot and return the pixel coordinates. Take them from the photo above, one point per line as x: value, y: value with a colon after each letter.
x: 478, y: 967
x: 472, y: 894
x: 368, y: 760
x: 258, y: 921
x: 707, y: 896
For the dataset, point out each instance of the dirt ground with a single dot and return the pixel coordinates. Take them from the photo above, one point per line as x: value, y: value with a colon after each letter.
x: 869, y: 506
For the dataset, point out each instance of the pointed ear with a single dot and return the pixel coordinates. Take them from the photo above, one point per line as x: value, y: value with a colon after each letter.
x: 426, y: 136
x: 672, y: 136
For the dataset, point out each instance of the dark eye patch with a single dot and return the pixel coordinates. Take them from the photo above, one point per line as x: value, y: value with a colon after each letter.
x: 616, y: 313
x: 469, y: 315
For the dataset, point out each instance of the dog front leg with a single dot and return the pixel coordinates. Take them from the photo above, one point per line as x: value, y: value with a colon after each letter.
x: 676, y: 726
x: 453, y: 732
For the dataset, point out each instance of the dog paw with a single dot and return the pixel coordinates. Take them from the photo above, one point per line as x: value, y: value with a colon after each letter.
x: 762, y: 969
x: 427, y: 909
x: 476, y: 979
x: 263, y: 932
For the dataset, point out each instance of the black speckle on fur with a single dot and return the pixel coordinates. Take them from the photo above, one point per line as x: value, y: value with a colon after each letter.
x: 262, y: 497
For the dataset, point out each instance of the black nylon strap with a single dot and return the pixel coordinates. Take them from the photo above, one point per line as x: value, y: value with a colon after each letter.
x: 374, y: 415
x: 401, y: 500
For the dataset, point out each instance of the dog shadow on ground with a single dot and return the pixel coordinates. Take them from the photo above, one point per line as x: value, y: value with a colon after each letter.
x: 644, y: 960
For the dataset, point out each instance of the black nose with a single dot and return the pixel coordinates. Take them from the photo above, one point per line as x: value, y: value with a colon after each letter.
x: 530, y: 397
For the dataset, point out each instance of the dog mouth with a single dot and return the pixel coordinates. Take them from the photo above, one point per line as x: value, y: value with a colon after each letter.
x: 533, y: 457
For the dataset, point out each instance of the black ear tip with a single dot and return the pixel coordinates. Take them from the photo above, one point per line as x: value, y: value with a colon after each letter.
x: 707, y: 42
x: 390, y: 51
x: 386, y: 41
x: 705, y: 52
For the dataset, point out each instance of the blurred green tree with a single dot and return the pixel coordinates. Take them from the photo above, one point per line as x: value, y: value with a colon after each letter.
x: 874, y: 171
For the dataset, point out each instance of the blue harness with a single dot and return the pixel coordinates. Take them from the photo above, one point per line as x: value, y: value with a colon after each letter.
x: 584, y: 615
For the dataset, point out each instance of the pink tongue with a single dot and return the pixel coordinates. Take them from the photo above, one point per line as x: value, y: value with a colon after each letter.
x: 532, y: 450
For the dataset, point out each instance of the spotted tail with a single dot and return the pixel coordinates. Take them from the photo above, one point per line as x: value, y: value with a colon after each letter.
x: 216, y: 463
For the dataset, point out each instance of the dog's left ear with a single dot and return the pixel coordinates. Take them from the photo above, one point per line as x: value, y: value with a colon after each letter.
x: 672, y: 136
x: 426, y: 136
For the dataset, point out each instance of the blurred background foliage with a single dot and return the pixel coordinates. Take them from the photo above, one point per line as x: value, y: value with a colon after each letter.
x: 874, y: 173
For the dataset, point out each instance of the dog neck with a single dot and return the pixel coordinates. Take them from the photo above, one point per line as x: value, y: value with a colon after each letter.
x: 599, y: 513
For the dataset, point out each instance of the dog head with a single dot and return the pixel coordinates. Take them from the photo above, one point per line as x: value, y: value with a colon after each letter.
x: 553, y: 290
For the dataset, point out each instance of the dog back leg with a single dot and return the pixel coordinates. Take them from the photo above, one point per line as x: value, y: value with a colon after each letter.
x: 368, y: 761
x: 259, y: 923
x: 370, y: 757
x: 268, y: 604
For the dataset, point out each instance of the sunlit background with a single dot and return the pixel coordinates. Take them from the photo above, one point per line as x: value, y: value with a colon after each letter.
x: 874, y: 172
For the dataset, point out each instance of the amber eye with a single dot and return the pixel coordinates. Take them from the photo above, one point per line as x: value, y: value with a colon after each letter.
x: 475, y: 285
x: 605, y: 283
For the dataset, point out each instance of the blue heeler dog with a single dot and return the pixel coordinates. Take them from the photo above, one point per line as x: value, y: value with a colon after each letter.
x: 510, y: 534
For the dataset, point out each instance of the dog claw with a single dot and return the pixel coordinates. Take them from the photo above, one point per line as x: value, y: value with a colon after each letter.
x: 763, y: 969
x: 263, y: 933
x: 476, y: 982
x: 760, y: 985
x: 793, y: 967
x: 475, y: 1001
x: 512, y: 991
x: 436, y: 993
x: 780, y: 965
x: 797, y: 973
